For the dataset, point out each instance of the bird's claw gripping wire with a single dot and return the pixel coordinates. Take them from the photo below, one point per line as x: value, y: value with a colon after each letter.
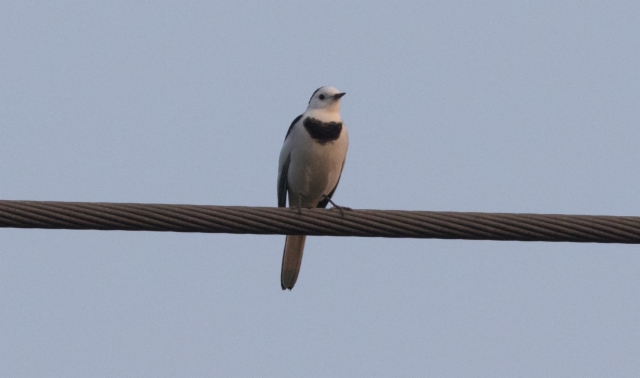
x: 341, y: 208
x: 296, y: 207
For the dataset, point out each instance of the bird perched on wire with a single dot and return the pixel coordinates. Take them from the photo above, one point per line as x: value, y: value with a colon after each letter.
x: 311, y: 163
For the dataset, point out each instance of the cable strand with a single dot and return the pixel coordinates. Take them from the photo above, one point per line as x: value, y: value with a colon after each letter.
x: 327, y: 222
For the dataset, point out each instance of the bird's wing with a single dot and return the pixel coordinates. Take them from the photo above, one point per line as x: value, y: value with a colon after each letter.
x: 323, y: 204
x: 282, y: 182
x: 283, y: 169
x: 292, y: 123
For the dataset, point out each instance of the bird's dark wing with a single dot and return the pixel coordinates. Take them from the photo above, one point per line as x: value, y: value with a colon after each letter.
x: 291, y: 127
x: 282, y: 179
x: 282, y: 183
x: 323, y: 204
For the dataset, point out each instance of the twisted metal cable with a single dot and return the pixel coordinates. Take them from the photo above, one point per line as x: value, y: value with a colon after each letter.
x: 285, y: 221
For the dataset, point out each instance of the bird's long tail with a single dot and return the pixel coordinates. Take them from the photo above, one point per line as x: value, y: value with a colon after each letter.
x: 291, y: 260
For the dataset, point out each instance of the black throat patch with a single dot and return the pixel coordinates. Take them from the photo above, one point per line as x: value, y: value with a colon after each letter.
x: 322, y: 132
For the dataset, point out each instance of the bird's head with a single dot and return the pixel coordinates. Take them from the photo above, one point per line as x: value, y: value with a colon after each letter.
x: 327, y: 98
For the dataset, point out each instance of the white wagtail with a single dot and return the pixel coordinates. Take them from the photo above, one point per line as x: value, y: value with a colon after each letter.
x: 311, y: 163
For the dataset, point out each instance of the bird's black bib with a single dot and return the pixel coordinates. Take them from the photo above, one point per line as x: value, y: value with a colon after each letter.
x: 322, y: 132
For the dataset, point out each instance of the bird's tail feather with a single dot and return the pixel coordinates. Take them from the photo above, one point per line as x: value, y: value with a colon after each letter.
x: 291, y: 260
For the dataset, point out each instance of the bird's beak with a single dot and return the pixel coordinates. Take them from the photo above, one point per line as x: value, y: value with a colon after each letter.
x: 337, y: 96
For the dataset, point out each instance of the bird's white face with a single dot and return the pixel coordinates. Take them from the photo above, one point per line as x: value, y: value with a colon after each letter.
x: 326, y: 98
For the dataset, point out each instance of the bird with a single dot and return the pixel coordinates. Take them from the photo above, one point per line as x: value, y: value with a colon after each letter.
x: 310, y: 166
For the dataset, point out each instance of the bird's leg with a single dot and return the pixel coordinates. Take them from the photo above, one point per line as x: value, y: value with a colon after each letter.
x: 298, y: 207
x: 341, y: 208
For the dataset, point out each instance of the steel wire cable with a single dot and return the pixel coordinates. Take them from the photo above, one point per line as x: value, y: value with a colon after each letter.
x: 287, y: 221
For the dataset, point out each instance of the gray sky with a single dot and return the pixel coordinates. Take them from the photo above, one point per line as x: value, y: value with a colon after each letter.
x: 460, y: 106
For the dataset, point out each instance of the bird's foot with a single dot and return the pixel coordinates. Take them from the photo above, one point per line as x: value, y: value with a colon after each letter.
x: 297, y: 207
x: 335, y: 206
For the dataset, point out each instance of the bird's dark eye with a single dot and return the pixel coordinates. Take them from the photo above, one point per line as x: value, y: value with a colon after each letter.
x: 321, y: 97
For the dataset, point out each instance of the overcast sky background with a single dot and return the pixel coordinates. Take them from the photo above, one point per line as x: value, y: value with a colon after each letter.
x: 460, y: 106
